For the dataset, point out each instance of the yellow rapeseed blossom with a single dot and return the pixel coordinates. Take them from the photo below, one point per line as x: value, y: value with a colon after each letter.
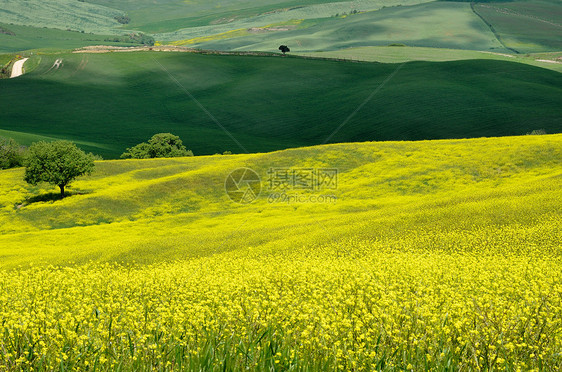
x: 425, y: 264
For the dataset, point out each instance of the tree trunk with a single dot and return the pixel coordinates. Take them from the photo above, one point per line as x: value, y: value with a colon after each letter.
x: 61, y: 191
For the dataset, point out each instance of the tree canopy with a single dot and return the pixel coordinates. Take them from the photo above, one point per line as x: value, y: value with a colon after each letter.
x: 57, y: 163
x: 161, y: 145
x: 284, y: 49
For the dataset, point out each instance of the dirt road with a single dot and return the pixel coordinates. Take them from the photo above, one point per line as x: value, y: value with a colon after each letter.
x: 17, y: 70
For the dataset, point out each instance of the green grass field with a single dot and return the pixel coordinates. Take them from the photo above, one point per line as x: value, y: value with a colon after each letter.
x: 147, y: 14
x: 61, y: 14
x: 115, y: 100
x: 174, y: 15
x: 309, y: 26
x: 435, y: 255
x: 36, y: 39
x: 436, y: 24
x: 304, y: 16
x: 527, y: 27
x: 170, y: 16
x: 5, y: 59
x: 400, y: 54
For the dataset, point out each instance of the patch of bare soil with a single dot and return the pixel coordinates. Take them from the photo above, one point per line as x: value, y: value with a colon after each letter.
x: 271, y: 29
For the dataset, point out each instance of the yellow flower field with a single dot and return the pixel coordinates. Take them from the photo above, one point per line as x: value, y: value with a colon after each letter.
x: 441, y: 255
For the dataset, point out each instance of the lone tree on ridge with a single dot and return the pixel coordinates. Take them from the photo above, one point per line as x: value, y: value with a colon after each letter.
x: 284, y: 49
x: 57, y: 163
x: 161, y: 145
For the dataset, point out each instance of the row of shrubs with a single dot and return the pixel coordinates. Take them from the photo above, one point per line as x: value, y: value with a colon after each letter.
x: 136, y: 38
x: 60, y: 162
x: 161, y: 145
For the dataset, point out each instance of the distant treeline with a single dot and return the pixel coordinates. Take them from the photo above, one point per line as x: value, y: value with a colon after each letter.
x: 6, y: 31
x: 133, y: 38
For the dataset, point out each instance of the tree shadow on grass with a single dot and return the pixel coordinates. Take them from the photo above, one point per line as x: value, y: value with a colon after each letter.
x: 48, y: 197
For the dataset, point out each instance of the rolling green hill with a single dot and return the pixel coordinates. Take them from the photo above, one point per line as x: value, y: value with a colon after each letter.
x: 63, y: 14
x: 399, y: 54
x: 49, y: 40
x: 279, y: 21
x: 174, y: 15
x: 114, y: 100
x: 306, y: 26
x: 435, y: 24
x: 525, y: 26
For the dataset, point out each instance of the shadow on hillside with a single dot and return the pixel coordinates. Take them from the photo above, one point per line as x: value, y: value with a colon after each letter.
x: 48, y: 197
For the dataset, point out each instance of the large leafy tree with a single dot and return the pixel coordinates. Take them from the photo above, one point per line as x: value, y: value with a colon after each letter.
x: 161, y: 145
x: 57, y: 163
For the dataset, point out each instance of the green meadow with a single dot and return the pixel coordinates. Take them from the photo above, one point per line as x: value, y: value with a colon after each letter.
x: 173, y: 15
x: 402, y: 53
x: 60, y: 14
x: 523, y: 26
x: 48, y: 40
x: 280, y: 19
x: 5, y: 59
x: 435, y: 24
x: 112, y: 101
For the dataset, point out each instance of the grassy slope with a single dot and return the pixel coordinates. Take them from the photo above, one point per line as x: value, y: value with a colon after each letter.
x: 45, y: 39
x: 504, y: 189
x: 168, y: 15
x: 5, y: 59
x: 529, y: 26
x: 172, y: 15
x: 436, y: 24
x: 63, y: 14
x: 394, y: 54
x: 304, y: 16
x: 120, y: 99
x: 526, y: 26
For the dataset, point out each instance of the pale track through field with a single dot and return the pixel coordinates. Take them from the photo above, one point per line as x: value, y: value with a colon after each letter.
x: 56, y: 65
x: 547, y: 61
x: 17, y: 70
